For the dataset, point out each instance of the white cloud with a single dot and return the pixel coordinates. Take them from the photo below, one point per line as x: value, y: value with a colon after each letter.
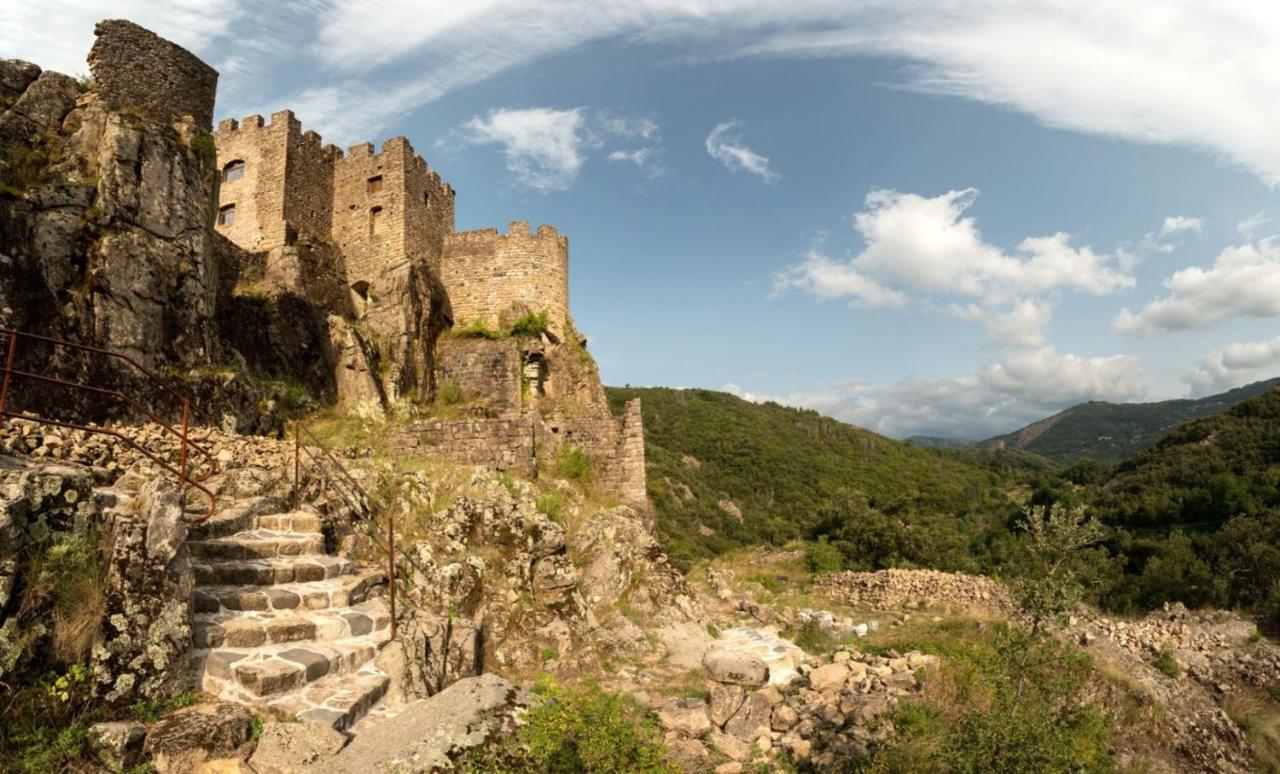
x: 1235, y: 365
x: 647, y: 160
x: 630, y: 127
x: 926, y: 248
x: 1178, y: 223
x: 1250, y: 226
x: 726, y: 146
x: 1244, y: 281
x: 543, y: 146
x: 1002, y: 396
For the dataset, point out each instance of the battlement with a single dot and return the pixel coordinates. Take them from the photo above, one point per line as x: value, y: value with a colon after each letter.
x: 137, y: 69
x: 487, y: 273
x: 516, y: 229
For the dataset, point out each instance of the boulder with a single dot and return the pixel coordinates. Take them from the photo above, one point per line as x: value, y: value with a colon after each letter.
x: 734, y: 667
x: 686, y: 716
x: 430, y: 733
x: 284, y: 748
x: 784, y: 718
x: 725, y: 701
x: 752, y: 719
x: 117, y: 746
x: 728, y: 746
x: 193, y: 735
x: 829, y: 678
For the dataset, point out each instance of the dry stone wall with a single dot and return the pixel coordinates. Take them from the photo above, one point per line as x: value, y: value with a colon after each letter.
x: 485, y: 373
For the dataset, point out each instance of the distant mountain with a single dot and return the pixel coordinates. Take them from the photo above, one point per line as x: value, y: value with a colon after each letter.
x: 934, y: 442
x: 725, y: 472
x: 1205, y: 471
x: 1112, y: 432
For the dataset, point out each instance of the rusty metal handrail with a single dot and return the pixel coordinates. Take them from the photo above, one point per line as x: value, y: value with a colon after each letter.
x: 364, y: 504
x: 186, y: 442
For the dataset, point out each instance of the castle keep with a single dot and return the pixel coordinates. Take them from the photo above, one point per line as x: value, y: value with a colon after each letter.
x: 369, y: 237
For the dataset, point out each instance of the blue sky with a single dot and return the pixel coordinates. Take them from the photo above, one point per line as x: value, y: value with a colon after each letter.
x: 939, y: 218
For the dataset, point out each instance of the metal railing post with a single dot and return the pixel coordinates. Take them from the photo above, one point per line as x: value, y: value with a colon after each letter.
x: 8, y: 370
x: 391, y: 564
x: 297, y: 464
x: 186, y: 425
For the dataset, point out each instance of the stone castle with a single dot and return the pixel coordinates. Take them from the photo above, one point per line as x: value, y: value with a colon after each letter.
x: 268, y: 250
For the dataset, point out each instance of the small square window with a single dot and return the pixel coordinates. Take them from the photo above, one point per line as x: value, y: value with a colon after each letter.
x: 375, y: 184
x: 227, y: 215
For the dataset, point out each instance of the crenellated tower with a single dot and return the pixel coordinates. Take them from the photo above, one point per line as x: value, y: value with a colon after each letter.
x: 487, y: 274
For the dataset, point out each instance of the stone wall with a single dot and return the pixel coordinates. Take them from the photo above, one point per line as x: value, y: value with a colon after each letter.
x: 615, y: 444
x: 487, y: 272
x: 258, y: 196
x: 135, y: 69
x: 486, y: 373
x: 501, y: 443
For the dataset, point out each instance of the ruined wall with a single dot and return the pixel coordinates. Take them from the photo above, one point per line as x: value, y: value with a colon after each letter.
x: 137, y: 70
x: 485, y: 373
x: 615, y: 444
x: 505, y: 444
x: 487, y: 272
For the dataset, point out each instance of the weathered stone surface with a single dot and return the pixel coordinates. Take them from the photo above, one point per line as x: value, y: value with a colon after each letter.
x: 783, y: 718
x: 195, y: 734
x: 431, y: 732
x: 686, y: 716
x: 725, y: 701
x: 829, y: 677
x: 752, y: 719
x: 735, y: 667
x: 40, y: 109
x: 15, y: 76
x: 285, y: 748
x: 117, y: 746
x: 729, y: 746
x: 136, y: 69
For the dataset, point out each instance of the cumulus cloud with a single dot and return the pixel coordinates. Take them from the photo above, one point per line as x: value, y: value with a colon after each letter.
x: 1178, y: 223
x: 1000, y: 397
x: 725, y: 145
x: 1244, y: 281
x: 1235, y: 365
x: 926, y: 248
x: 543, y: 146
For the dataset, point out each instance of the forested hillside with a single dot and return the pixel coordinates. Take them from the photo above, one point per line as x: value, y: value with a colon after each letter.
x: 1111, y: 432
x: 724, y: 472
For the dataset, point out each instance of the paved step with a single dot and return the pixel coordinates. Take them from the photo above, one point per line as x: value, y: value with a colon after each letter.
x: 251, y: 674
x: 250, y: 629
x: 276, y: 570
x: 234, y: 516
x: 315, y: 595
x: 336, y: 700
x: 258, y: 544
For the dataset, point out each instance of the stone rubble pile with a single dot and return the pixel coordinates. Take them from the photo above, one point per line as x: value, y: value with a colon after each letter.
x: 822, y: 715
x: 107, y: 454
x: 833, y: 626
x: 911, y: 589
x: 1217, y: 648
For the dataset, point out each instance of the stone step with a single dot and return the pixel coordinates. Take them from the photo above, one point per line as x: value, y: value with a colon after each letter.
x: 315, y: 595
x: 250, y: 629
x: 267, y: 572
x: 248, y: 675
x: 234, y: 516
x: 258, y: 544
x: 339, y: 701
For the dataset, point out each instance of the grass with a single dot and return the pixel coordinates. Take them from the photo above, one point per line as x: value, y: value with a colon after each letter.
x: 572, y: 464
x: 552, y: 505
x: 1167, y: 663
x: 151, y: 710
x: 1258, y: 715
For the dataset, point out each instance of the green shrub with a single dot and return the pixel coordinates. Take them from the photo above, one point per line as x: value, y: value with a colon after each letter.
x: 812, y: 639
x: 573, y: 464
x: 450, y: 394
x: 530, y: 325
x: 1167, y: 663
x: 552, y: 505
x: 478, y: 330
x: 820, y: 556
x: 573, y: 729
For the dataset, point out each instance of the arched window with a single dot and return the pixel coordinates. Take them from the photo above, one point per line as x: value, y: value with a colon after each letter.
x: 375, y: 221
x: 234, y: 170
x: 426, y: 198
x: 227, y: 215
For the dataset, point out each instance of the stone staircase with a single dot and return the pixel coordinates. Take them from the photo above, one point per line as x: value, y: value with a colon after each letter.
x: 279, y: 624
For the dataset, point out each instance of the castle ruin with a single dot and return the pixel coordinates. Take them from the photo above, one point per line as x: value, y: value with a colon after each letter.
x: 369, y: 237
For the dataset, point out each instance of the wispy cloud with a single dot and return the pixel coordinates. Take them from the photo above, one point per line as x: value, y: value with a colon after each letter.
x: 543, y: 146
x: 1175, y: 224
x: 725, y: 145
x: 928, y: 250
